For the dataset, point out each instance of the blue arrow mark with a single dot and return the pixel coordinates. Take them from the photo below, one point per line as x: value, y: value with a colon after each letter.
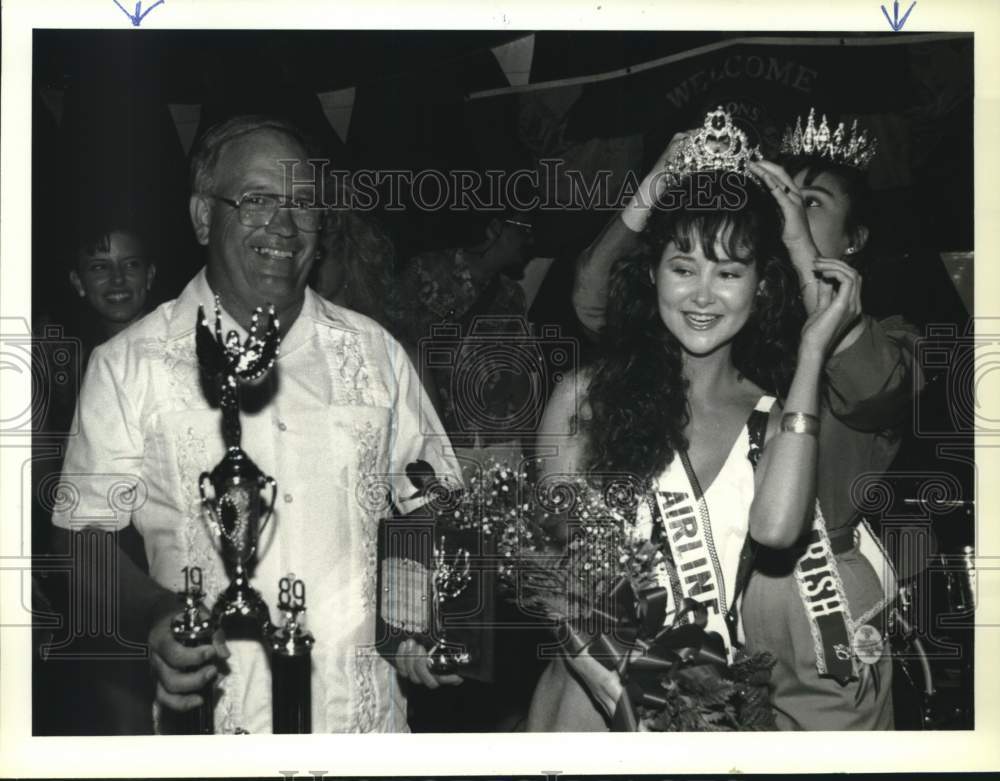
x: 139, y: 14
x: 895, y: 23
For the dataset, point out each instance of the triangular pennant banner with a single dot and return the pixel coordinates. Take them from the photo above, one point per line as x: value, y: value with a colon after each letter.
x: 337, y: 106
x: 186, y: 117
x: 961, y: 270
x: 515, y: 59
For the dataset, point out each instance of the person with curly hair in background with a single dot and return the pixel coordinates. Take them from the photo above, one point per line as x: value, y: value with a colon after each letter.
x: 356, y: 268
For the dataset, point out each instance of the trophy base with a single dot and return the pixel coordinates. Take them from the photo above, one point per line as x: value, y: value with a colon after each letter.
x: 448, y: 659
x: 198, y: 721
x: 242, y: 604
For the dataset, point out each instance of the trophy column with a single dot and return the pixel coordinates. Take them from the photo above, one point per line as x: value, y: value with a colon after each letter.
x: 291, y: 663
x: 238, y: 501
x: 194, y: 627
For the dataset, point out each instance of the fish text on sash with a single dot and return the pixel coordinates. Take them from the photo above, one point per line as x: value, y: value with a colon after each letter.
x: 819, y: 581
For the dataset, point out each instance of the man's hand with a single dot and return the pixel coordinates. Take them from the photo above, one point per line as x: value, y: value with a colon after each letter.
x: 182, y: 672
x: 413, y: 663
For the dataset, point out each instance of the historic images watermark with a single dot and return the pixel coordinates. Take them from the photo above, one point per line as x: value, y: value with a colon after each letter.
x: 548, y: 187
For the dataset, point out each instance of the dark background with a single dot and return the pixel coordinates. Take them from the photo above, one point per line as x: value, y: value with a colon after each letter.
x: 103, y: 131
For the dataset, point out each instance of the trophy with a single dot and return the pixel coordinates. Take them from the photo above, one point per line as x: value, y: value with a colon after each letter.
x: 194, y: 627
x: 291, y: 663
x: 238, y: 499
x: 435, y: 585
x: 448, y: 581
x: 236, y: 508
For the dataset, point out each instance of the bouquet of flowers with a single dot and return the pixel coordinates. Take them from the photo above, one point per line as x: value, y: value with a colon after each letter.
x: 568, y: 552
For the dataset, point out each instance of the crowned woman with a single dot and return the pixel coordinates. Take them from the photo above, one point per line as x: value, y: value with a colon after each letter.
x: 821, y: 607
x: 704, y: 333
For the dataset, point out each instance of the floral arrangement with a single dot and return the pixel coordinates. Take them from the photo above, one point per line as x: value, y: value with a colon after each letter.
x: 568, y: 553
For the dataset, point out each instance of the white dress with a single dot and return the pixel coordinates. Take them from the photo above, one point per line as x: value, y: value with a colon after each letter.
x: 706, y: 533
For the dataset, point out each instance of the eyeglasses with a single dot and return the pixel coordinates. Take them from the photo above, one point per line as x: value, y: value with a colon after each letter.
x: 256, y: 210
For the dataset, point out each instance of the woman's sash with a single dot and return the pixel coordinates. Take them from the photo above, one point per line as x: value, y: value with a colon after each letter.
x: 677, y: 519
x: 841, y: 642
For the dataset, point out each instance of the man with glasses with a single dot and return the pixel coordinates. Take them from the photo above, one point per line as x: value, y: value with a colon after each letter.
x: 341, y: 409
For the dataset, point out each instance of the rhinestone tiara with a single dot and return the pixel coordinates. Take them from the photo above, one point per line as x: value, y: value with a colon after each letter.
x: 717, y: 146
x: 856, y: 151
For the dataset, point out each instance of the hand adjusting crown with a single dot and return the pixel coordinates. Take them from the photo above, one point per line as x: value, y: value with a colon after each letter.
x: 717, y: 146
x: 856, y: 151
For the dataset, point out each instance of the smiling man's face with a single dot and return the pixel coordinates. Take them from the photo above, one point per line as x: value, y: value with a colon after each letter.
x: 255, y: 266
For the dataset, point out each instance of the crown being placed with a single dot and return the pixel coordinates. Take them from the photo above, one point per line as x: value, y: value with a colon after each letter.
x: 717, y: 146
x: 856, y: 151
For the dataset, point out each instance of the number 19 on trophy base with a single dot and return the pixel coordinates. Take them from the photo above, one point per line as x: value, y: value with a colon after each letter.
x: 290, y: 648
x: 193, y: 627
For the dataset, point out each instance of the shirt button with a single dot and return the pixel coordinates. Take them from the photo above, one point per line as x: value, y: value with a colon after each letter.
x: 288, y: 498
x: 282, y: 426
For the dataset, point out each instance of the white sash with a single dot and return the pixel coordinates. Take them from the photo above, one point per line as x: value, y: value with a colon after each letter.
x: 705, y: 549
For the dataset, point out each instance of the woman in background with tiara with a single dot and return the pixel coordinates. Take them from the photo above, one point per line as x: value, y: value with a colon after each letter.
x: 821, y: 607
x: 703, y: 332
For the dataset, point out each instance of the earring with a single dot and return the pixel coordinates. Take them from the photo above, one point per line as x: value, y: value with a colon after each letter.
x: 850, y: 251
x: 760, y: 297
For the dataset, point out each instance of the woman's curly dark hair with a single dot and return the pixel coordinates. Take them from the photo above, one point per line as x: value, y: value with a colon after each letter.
x: 637, y: 392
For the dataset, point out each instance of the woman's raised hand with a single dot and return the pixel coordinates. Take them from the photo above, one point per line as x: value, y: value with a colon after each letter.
x: 837, y: 306
x: 796, y: 234
x: 674, y: 146
x: 655, y: 182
